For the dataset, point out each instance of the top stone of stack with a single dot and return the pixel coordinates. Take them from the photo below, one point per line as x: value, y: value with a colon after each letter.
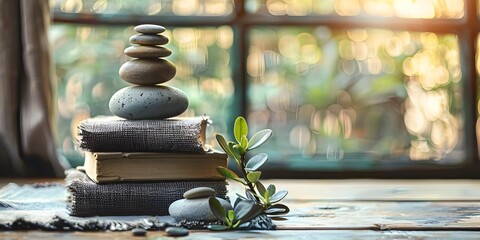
x: 150, y: 29
x: 149, y: 69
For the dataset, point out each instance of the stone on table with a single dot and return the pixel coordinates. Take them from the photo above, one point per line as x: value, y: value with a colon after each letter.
x: 194, y: 209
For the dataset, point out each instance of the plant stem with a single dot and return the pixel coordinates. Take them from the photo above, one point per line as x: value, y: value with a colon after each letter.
x: 250, y: 185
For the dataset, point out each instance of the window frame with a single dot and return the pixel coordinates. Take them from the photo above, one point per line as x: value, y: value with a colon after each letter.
x: 466, y: 29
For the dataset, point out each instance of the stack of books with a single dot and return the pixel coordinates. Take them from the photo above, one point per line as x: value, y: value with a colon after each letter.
x: 143, y: 168
x: 146, y: 157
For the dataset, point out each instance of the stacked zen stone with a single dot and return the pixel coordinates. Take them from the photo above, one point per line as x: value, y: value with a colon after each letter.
x: 147, y: 100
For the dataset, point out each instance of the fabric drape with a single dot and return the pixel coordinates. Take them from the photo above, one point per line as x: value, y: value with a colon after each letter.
x: 27, y: 147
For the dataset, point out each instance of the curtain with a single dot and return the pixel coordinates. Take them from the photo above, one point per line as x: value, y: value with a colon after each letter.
x: 27, y: 147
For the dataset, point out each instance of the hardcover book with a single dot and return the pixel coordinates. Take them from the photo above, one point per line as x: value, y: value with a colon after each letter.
x: 113, y: 134
x: 104, y: 167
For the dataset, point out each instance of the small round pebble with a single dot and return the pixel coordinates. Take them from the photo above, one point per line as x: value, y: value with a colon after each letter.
x: 177, y: 231
x: 149, y: 40
x: 147, y: 52
x: 199, y: 192
x: 149, y: 29
x: 139, y: 232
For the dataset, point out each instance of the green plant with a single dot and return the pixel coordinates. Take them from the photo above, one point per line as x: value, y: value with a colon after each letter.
x: 243, y: 211
x: 266, y: 198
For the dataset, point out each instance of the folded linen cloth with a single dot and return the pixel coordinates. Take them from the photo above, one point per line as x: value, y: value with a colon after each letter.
x: 146, y: 198
x: 112, y: 134
x: 44, y: 206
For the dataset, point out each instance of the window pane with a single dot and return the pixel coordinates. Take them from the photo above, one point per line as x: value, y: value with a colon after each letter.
x: 362, y: 97
x: 384, y: 8
x: 146, y: 7
x: 88, y: 58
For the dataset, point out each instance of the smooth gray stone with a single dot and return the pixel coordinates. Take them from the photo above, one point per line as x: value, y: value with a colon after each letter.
x: 148, y: 102
x: 177, y: 231
x: 199, y: 192
x: 150, y: 40
x: 149, y: 29
x: 194, y: 209
x: 147, y: 52
x: 147, y: 71
x: 139, y: 232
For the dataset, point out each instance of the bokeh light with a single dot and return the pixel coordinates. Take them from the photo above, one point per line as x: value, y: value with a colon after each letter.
x: 146, y: 7
x: 378, y: 93
x: 425, y: 9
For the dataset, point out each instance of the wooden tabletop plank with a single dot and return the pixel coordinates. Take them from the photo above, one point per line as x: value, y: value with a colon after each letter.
x: 227, y: 235
x: 376, y: 190
x: 351, y: 215
x: 345, y: 209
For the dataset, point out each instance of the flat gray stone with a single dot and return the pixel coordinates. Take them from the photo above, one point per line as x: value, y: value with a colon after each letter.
x: 148, y: 102
x: 150, y: 40
x: 148, y: 71
x: 149, y: 29
x: 199, y: 192
x: 177, y: 231
x: 147, y: 52
x: 139, y: 232
x: 194, y: 209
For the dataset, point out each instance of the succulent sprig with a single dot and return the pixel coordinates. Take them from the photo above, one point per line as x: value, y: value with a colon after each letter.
x: 255, y: 192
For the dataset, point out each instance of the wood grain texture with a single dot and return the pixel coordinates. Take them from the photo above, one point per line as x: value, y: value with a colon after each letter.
x: 343, y: 209
x: 233, y: 235
x: 376, y: 190
x: 321, y: 215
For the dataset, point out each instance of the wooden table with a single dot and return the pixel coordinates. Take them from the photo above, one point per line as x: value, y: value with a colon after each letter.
x: 347, y: 209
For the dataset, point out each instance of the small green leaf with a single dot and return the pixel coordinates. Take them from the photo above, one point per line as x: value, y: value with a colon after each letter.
x: 242, y: 208
x: 271, y: 189
x: 241, y: 197
x: 215, y: 227
x: 277, y: 209
x: 250, y: 195
x: 229, y: 174
x: 254, y: 176
x: 256, y: 162
x: 244, y: 142
x: 235, y: 152
x: 236, y: 224
x: 231, y: 215
x: 261, y: 189
x: 217, y: 209
x: 239, y: 150
x: 223, y: 144
x: 240, y: 128
x: 259, y: 138
x: 267, y: 195
x: 277, y: 197
x: 246, y: 210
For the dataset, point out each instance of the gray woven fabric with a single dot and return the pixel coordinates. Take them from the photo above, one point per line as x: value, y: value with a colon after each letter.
x: 108, y: 134
x: 44, y: 206
x: 149, y: 198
